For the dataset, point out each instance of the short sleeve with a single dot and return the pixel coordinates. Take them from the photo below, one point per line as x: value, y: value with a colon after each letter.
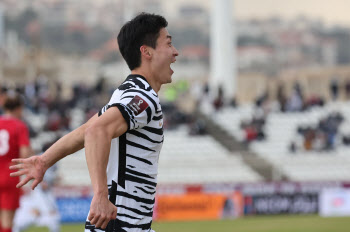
x: 135, y: 105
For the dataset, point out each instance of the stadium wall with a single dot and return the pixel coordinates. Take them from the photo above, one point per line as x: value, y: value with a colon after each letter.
x: 216, y: 201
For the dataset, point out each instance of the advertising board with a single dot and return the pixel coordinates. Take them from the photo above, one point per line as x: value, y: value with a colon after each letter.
x: 334, y: 202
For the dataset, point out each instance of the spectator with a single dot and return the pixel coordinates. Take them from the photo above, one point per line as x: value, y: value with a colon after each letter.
x: 281, y: 98
x: 334, y: 87
x: 295, y: 103
x: 347, y: 89
x: 219, y: 100
x: 292, y: 147
x: 309, y: 137
x: 198, y: 128
x: 322, y: 137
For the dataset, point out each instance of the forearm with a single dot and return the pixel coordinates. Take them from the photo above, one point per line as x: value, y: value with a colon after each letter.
x: 68, y: 144
x: 97, y: 145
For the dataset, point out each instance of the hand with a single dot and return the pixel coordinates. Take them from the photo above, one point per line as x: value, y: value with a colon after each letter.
x: 101, y: 211
x: 33, y: 167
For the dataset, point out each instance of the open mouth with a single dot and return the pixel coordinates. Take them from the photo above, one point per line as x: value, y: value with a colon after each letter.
x: 170, y: 66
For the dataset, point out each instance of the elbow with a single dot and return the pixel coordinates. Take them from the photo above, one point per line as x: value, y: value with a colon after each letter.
x: 94, y: 131
x: 90, y: 131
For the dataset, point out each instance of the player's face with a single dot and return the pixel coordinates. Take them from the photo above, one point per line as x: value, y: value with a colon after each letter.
x: 162, y: 56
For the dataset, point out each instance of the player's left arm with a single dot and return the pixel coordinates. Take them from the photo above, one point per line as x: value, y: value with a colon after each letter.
x: 98, y: 136
x: 35, y: 167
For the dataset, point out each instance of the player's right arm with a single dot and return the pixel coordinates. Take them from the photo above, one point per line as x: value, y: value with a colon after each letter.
x: 35, y: 167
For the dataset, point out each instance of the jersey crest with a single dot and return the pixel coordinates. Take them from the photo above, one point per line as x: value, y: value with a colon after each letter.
x: 137, y: 105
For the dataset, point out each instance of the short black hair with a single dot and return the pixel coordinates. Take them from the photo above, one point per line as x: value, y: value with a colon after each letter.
x: 13, y: 101
x: 142, y: 30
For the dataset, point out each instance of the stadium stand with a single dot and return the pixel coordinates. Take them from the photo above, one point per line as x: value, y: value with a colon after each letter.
x: 281, y: 129
x: 184, y: 159
x: 230, y: 119
x: 73, y: 170
x: 194, y: 159
x: 200, y: 159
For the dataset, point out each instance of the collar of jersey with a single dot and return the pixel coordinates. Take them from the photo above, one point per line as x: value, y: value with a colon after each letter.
x: 142, y: 77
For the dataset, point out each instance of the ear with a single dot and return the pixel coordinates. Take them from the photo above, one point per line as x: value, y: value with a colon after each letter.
x: 146, y: 52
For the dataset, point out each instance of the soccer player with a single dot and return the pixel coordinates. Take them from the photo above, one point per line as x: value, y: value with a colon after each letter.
x: 14, y: 143
x: 123, y: 141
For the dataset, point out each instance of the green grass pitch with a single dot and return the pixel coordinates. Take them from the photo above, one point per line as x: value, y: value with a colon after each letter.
x: 283, y: 223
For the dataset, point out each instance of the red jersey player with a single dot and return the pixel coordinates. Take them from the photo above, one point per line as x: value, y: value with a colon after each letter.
x: 14, y: 143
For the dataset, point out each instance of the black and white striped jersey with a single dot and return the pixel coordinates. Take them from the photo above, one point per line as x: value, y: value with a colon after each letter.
x: 133, y: 160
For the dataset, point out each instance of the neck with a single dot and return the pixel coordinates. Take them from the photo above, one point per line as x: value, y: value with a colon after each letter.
x: 8, y: 114
x: 149, y: 77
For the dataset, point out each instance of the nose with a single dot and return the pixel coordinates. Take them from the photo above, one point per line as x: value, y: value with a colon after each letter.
x: 176, y: 53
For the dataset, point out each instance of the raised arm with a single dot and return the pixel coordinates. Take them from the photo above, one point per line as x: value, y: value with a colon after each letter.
x: 68, y: 144
x: 35, y: 167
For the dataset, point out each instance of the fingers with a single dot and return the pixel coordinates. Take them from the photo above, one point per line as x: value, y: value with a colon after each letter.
x: 93, y: 219
x: 90, y: 217
x: 35, y: 183
x: 18, y: 160
x: 105, y: 223
x: 102, y: 211
x: 18, y: 173
x: 114, y: 214
x: 101, y: 221
x: 24, y: 181
x: 17, y: 166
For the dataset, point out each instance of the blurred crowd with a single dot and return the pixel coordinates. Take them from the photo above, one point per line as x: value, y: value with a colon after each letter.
x: 325, y: 136
x: 59, y: 114
x: 321, y: 137
x: 44, y: 98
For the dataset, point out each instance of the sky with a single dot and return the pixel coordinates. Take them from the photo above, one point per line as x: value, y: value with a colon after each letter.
x: 329, y: 11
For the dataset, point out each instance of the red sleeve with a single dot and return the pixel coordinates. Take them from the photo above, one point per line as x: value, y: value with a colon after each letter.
x: 23, y: 137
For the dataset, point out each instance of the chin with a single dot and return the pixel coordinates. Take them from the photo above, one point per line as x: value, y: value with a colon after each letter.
x: 168, y: 80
